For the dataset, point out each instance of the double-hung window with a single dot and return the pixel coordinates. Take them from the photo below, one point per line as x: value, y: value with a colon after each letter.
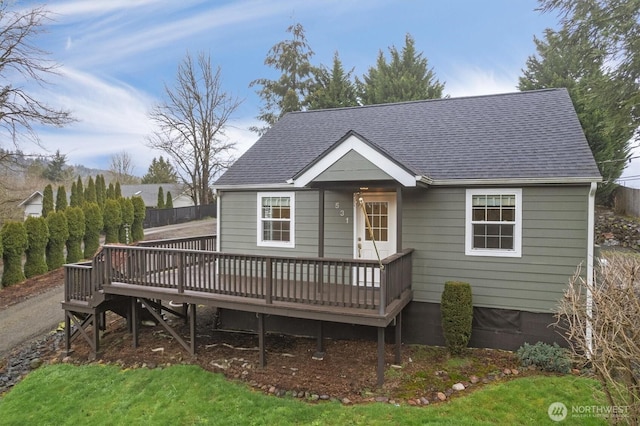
x: 494, y: 222
x: 276, y: 221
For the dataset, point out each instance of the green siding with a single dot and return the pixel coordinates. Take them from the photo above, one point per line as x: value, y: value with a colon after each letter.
x: 352, y: 167
x: 554, y: 242
x: 238, y: 224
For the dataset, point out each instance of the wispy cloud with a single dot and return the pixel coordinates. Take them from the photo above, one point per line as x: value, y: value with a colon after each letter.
x: 472, y: 80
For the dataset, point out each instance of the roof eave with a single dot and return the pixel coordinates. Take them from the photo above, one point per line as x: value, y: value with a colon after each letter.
x: 516, y: 181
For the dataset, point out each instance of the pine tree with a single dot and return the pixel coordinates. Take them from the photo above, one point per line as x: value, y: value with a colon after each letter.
x: 405, y: 78
x: 160, y: 171
x: 332, y: 88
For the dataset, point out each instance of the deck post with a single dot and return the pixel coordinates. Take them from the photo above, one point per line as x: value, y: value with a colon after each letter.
x: 319, y: 355
x: 67, y: 332
x: 134, y: 321
x: 263, y: 361
x: 321, y: 222
x: 380, y: 369
x: 398, y: 335
x: 383, y: 291
x: 181, y: 270
x: 192, y: 327
x: 96, y: 332
x: 269, y: 275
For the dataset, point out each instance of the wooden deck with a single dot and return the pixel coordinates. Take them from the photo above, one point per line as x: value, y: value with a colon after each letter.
x: 189, y: 271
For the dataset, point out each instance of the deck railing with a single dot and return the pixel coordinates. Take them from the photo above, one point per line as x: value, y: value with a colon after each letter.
x: 175, y: 265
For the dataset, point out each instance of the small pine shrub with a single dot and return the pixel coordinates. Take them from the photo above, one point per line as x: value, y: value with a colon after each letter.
x: 456, y: 308
x: 546, y: 357
x: 37, y: 237
x: 14, y: 243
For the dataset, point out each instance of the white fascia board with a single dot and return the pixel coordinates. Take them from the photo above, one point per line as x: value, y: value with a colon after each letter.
x: 514, y: 181
x: 254, y: 186
x: 354, y: 143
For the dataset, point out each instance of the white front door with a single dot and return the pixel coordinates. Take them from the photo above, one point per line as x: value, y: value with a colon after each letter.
x: 379, y: 232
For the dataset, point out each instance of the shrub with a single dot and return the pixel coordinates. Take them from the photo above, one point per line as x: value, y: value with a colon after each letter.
x: 160, y: 198
x: 58, y: 235
x: 47, y: 200
x: 93, y: 226
x: 139, y: 212
x: 112, y: 217
x: 79, y: 192
x: 14, y: 243
x: 37, y: 237
x: 456, y: 308
x: 127, y: 219
x: 76, y: 225
x: 90, y: 192
x: 117, y: 191
x: 61, y: 199
x: 546, y: 357
x: 101, y: 191
x: 169, y: 203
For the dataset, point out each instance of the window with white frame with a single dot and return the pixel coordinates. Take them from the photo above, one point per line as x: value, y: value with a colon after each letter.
x: 494, y: 222
x: 276, y: 223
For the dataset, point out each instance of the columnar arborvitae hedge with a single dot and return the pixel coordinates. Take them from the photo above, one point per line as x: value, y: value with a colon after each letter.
x: 160, y: 198
x: 90, y: 192
x: 73, y: 198
x: 117, y: 192
x: 127, y: 219
x: 76, y: 225
x: 58, y: 235
x: 110, y: 194
x: 139, y: 212
x: 79, y: 192
x: 169, y: 203
x: 112, y: 217
x: 47, y: 200
x: 93, y: 226
x: 61, y: 199
x: 456, y: 307
x: 37, y: 238
x: 14, y: 243
x: 101, y: 191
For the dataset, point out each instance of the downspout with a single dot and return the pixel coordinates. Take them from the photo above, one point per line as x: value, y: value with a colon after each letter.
x: 218, y: 203
x: 590, y: 263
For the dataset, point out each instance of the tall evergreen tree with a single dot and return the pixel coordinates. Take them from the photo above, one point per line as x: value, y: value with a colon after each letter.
x: 47, y: 200
x: 37, y: 238
x: 332, y: 88
x: 112, y: 218
x: 101, y: 191
x: 160, y: 171
x: 14, y: 243
x: 90, y: 192
x: 58, y: 234
x: 80, y: 192
x: 61, y: 199
x: 289, y: 92
x: 77, y: 227
x: 111, y: 192
x: 73, y: 198
x: 169, y: 203
x: 139, y: 212
x: 93, y: 226
x: 407, y: 77
x: 117, y: 193
x: 160, y: 203
x: 57, y: 169
x: 599, y: 99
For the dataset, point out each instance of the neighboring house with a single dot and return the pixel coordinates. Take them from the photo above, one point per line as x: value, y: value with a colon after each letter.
x: 32, y: 205
x: 497, y: 191
x: 149, y: 193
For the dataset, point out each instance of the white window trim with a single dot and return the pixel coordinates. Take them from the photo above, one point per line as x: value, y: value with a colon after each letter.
x: 281, y: 244
x: 517, y: 231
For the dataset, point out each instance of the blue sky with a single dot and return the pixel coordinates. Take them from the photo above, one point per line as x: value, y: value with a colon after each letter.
x: 116, y: 55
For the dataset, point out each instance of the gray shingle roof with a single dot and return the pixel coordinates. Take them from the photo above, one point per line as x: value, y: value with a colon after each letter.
x: 520, y: 135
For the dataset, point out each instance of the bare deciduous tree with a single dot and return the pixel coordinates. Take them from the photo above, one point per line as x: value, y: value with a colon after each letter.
x: 602, y: 322
x: 121, y: 168
x: 22, y: 61
x: 191, y: 125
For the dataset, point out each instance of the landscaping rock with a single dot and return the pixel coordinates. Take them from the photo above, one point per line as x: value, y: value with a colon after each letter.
x: 441, y: 396
x: 458, y: 387
x: 474, y: 379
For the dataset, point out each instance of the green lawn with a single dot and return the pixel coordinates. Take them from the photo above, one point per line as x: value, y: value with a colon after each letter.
x: 185, y: 394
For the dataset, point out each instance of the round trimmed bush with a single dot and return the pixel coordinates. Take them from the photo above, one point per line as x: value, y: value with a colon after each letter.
x: 76, y: 225
x: 456, y: 308
x: 58, y: 235
x: 14, y: 243
x: 37, y: 238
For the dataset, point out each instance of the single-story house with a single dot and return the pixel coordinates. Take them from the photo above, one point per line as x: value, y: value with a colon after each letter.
x: 32, y: 205
x: 496, y: 190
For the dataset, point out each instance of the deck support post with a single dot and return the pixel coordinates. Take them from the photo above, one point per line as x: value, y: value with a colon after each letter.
x: 319, y: 355
x: 134, y: 321
x: 96, y: 332
x: 380, y: 369
x: 263, y: 361
x: 192, y: 327
x: 67, y: 332
x: 398, y: 335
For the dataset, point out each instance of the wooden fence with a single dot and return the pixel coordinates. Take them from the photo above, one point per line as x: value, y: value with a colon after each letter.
x: 626, y: 201
x: 162, y: 217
